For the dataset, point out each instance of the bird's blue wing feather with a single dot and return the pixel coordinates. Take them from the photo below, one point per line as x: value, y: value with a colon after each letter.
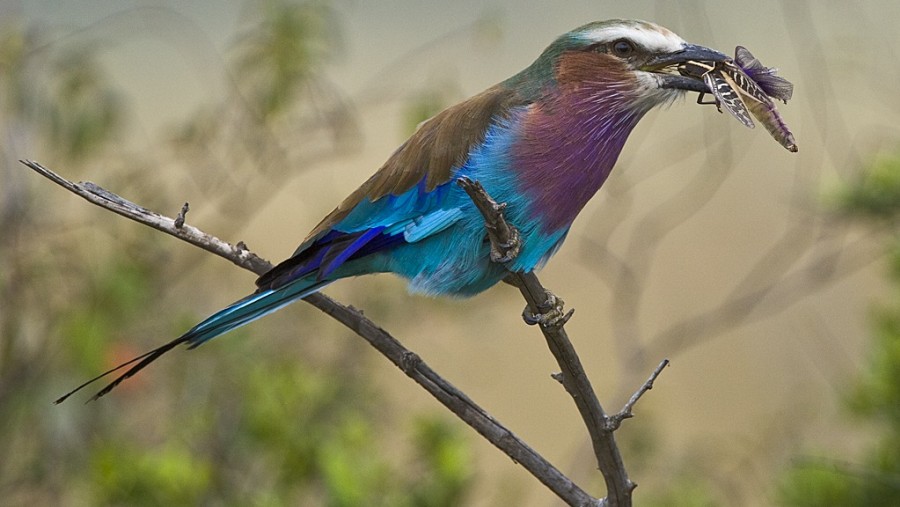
x: 370, y: 227
x: 431, y: 223
x: 335, y: 256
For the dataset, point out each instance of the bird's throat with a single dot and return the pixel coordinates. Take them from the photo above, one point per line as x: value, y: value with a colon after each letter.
x: 567, y: 147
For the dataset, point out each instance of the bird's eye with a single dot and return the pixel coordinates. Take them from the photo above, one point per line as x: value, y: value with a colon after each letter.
x: 623, y: 48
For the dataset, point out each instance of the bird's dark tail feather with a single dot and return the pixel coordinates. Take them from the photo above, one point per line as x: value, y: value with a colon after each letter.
x: 145, y: 359
x: 235, y: 315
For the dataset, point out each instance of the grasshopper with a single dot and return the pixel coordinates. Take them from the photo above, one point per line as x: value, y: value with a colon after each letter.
x: 744, y: 87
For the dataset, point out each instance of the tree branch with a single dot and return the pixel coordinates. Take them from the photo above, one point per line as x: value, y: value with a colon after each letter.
x: 540, y: 301
x: 409, y: 362
x: 626, y: 412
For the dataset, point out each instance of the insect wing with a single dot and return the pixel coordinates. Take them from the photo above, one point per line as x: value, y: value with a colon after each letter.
x: 744, y: 58
x: 728, y: 97
x: 744, y: 84
x: 774, y: 86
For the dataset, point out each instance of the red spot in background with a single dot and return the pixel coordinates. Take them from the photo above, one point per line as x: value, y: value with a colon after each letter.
x: 117, y: 354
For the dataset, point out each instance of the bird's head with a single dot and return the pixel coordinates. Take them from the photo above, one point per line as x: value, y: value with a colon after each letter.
x: 637, y: 61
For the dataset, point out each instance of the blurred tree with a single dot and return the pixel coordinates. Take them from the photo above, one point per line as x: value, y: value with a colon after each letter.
x: 284, y: 429
x: 84, y: 111
x: 873, y: 480
x: 59, y: 104
x: 279, y: 114
x: 283, y: 53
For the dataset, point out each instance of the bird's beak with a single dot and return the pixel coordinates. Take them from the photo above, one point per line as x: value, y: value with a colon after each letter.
x: 674, y: 72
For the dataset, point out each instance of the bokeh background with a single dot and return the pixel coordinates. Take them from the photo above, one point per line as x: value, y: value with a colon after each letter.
x: 764, y: 276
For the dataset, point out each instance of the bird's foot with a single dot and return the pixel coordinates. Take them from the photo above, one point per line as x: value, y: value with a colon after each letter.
x: 551, y: 313
x: 506, y: 242
x: 508, y: 250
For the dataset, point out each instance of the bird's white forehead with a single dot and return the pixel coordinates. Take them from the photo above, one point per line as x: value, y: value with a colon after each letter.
x: 652, y: 37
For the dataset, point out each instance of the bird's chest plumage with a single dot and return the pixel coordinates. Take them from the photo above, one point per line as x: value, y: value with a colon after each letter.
x: 567, y: 148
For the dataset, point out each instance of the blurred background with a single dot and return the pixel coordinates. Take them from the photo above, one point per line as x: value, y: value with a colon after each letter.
x: 769, y: 279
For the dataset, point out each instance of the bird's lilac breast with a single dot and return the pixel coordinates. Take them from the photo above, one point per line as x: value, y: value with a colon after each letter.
x: 566, y: 148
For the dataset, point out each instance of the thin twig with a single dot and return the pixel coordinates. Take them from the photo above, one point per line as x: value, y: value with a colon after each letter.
x: 626, y: 413
x: 115, y: 203
x: 409, y: 362
x: 574, y: 379
x: 179, y: 220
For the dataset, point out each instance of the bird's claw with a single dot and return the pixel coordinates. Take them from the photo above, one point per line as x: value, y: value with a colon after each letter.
x: 504, y: 252
x: 552, y: 313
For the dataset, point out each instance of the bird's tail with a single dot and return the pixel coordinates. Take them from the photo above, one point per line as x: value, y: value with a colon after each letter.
x: 232, y: 317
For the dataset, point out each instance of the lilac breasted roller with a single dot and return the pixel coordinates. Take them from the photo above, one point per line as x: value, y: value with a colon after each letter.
x: 542, y: 141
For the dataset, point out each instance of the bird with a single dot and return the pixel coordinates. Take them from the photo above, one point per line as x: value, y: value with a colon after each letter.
x: 542, y: 141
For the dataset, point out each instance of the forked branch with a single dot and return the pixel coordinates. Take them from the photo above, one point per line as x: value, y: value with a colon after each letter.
x: 542, y: 302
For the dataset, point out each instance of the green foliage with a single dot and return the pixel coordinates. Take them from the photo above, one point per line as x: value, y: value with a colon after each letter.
x: 818, y: 483
x: 814, y: 485
x: 241, y: 422
x: 877, y: 192
x: 14, y: 47
x: 875, y: 479
x: 278, y: 431
x: 123, y: 285
x: 280, y: 97
x: 122, y: 473
x: 684, y: 491
x: 284, y: 50
x: 66, y: 97
x: 446, y: 465
x: 878, y: 395
x: 83, y: 112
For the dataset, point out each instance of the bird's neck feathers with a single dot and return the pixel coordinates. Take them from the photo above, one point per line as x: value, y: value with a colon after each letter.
x: 571, y: 136
x: 532, y: 82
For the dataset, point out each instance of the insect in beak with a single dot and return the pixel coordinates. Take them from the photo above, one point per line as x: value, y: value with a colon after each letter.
x: 744, y: 87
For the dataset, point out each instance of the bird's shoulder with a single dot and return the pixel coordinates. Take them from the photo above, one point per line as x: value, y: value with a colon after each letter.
x: 429, y: 157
